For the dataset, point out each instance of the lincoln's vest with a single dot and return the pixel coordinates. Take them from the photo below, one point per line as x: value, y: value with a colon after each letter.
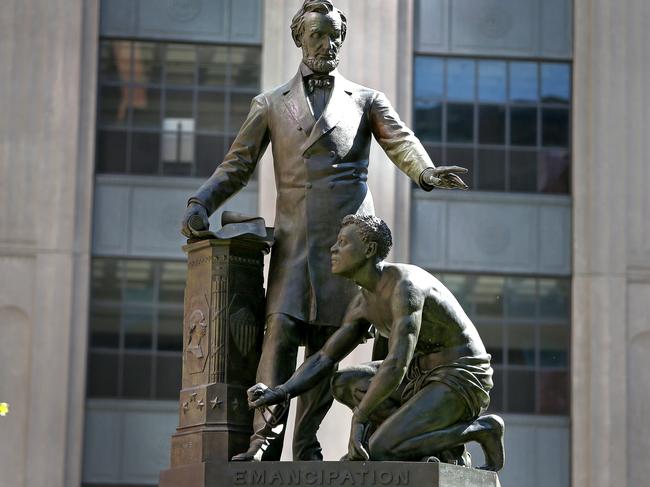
x: 321, y: 171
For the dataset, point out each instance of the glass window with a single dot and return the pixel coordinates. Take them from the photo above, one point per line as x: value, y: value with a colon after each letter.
x: 524, y: 324
x: 492, y: 81
x: 460, y: 79
x: 156, y: 99
x: 556, y: 83
x: 136, y: 328
x: 517, y: 108
x: 523, y: 82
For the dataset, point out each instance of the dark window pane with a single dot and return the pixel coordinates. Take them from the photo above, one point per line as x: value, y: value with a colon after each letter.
x: 554, y: 172
x: 521, y: 345
x: 170, y: 330
x: 145, y: 152
x: 553, y: 392
x: 429, y: 79
x: 554, y: 298
x: 168, y: 377
x: 523, y: 126
x: 104, y: 327
x: 172, y: 282
x: 523, y: 171
x: 246, y: 67
x: 113, y: 106
x: 521, y: 297
x: 213, y: 65
x: 491, y: 170
x: 136, y: 379
x: 108, y: 62
x: 488, y: 296
x: 460, y: 79
x: 556, y: 83
x: 239, y: 107
x: 146, y: 107
x: 147, y: 62
x: 460, y: 123
x: 463, y: 158
x: 178, y: 104
x: 111, y: 152
x: 209, y: 154
x: 554, y: 345
x: 102, y: 375
x: 122, y: 53
x: 211, y: 111
x: 492, y: 81
x: 523, y: 82
x: 138, y: 326
x: 106, y: 279
x: 555, y: 127
x: 435, y: 153
x: 521, y: 391
x: 428, y: 121
x: 139, y: 281
x: 180, y: 61
x: 492, y: 336
x: 497, y: 392
x: 492, y: 124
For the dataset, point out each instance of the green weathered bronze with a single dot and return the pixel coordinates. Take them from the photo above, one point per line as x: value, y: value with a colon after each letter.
x: 320, y: 126
x: 427, y: 398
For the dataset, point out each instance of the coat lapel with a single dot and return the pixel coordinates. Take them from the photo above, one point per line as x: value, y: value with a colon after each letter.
x: 296, y: 101
x: 339, y: 104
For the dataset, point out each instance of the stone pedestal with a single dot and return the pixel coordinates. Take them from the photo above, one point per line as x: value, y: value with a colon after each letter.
x: 326, y: 474
x: 223, y: 327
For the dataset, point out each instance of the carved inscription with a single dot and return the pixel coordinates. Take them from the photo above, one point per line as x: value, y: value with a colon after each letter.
x: 339, y: 477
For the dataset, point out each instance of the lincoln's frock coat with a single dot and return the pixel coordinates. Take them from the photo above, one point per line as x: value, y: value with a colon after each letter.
x: 321, y: 170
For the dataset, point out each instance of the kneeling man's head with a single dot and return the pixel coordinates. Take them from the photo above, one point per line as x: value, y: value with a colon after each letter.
x: 362, y: 239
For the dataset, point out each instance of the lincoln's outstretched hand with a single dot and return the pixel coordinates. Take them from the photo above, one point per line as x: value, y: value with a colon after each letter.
x: 445, y: 177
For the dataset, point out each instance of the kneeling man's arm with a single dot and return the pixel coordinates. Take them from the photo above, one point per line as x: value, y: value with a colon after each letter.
x: 320, y: 365
x: 407, y: 319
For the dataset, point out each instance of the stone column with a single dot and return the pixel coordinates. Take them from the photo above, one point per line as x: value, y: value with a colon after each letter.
x: 222, y: 338
x: 611, y: 289
x: 48, y: 66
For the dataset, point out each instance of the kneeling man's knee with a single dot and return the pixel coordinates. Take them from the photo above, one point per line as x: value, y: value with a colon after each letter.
x: 380, y: 449
x: 340, y: 384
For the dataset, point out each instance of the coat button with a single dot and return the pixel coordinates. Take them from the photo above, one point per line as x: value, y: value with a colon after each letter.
x: 308, y: 185
x: 299, y: 129
x: 332, y: 154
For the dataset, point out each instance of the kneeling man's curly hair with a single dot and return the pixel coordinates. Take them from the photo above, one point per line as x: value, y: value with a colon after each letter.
x: 372, y: 229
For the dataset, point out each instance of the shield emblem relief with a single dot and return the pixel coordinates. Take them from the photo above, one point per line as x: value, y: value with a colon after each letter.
x: 196, y: 339
x: 243, y: 330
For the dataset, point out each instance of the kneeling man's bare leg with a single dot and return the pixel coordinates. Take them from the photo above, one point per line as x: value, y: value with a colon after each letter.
x: 431, y: 422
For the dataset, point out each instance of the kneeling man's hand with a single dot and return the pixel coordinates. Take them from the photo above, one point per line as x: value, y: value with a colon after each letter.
x: 261, y: 395
x: 358, y: 444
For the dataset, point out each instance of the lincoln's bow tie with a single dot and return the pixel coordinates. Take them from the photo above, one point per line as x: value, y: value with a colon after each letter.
x: 319, y: 81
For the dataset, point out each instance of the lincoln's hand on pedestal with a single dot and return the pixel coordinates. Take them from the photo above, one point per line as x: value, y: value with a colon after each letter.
x: 194, y: 220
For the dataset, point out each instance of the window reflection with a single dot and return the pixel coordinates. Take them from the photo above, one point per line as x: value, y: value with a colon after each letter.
x: 460, y: 79
x: 146, y: 86
x: 523, y: 82
x: 492, y: 81
x: 556, y: 83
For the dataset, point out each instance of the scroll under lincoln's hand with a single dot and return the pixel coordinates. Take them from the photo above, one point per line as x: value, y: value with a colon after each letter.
x: 445, y: 177
x: 260, y: 395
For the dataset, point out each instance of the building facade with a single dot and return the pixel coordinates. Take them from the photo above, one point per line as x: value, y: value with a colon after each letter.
x: 114, y: 111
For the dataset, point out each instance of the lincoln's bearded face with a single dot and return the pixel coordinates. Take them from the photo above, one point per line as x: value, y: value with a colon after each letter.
x: 321, y: 41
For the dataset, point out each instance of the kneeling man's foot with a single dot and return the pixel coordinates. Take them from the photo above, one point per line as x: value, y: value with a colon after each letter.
x: 489, y: 435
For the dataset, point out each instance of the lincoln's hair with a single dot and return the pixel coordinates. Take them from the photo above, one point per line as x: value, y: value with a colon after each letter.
x: 321, y: 7
x: 372, y: 229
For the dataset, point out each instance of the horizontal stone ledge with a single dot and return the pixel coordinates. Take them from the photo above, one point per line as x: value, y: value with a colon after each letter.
x: 327, y: 474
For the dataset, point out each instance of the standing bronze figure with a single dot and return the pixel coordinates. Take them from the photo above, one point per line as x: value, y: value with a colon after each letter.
x: 320, y: 126
x: 427, y: 397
